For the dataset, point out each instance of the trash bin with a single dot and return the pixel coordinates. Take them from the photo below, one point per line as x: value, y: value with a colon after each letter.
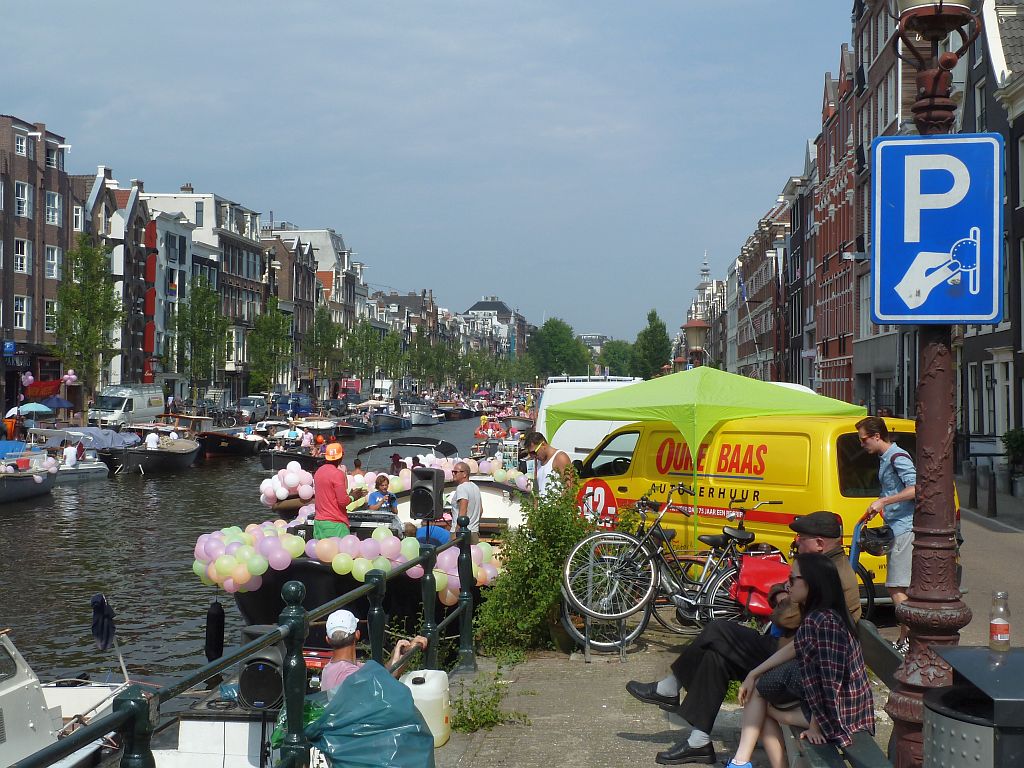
x: 979, y: 720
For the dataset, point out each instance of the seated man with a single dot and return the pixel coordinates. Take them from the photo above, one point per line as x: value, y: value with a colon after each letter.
x: 436, y: 532
x: 726, y: 650
x: 342, y: 634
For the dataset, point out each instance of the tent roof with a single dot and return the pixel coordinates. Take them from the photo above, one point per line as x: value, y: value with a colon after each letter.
x: 697, y: 401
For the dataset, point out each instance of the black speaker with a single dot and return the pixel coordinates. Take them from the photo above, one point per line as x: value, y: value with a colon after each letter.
x: 425, y: 500
x: 260, y: 684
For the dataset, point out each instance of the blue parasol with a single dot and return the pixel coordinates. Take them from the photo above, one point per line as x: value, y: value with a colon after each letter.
x: 54, y: 402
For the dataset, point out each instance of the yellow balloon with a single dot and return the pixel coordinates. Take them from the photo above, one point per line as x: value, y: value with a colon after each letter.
x: 360, y: 567
x: 342, y: 563
x: 440, y: 580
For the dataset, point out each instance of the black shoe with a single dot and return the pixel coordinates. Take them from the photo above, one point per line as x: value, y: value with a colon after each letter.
x: 683, y: 753
x: 648, y: 694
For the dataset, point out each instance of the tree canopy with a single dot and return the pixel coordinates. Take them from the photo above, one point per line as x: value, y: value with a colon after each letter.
x: 202, y: 333
x: 270, y: 347
x: 652, y: 348
x: 320, y: 346
x: 617, y: 357
x: 556, y: 350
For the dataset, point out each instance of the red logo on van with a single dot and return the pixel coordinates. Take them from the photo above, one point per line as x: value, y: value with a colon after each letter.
x: 733, y: 458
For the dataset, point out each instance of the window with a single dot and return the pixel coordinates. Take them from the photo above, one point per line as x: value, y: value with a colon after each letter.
x: 50, y: 319
x: 77, y: 220
x: 864, y: 329
x: 54, y: 257
x: 23, y: 313
x: 19, y: 144
x: 54, y: 208
x: 199, y: 213
x: 23, y: 256
x: 23, y: 196
x: 55, y: 157
x: 980, y: 118
x: 858, y: 469
x: 613, y: 458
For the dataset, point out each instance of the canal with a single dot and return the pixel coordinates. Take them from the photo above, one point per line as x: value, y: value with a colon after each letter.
x: 131, y: 538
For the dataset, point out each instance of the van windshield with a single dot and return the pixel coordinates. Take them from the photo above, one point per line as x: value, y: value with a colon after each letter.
x: 612, y: 458
x: 110, y: 403
x: 858, y: 469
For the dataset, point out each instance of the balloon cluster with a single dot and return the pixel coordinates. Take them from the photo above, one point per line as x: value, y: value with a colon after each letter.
x: 236, y: 560
x: 70, y: 377
x: 27, y: 379
x: 396, y: 483
x: 293, y: 480
x: 49, y: 464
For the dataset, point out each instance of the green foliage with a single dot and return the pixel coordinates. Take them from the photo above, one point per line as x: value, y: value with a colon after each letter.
x: 1013, y: 440
x: 360, y: 350
x: 88, y: 311
x: 617, y: 357
x: 478, y: 705
x: 321, y: 343
x: 391, y: 358
x: 202, y: 333
x: 732, y: 692
x: 270, y: 347
x: 652, y: 348
x: 556, y: 350
x: 628, y: 520
x: 523, y: 603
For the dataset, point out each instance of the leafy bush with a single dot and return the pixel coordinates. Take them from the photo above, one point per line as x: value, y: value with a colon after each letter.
x: 1014, y: 442
x: 521, y: 607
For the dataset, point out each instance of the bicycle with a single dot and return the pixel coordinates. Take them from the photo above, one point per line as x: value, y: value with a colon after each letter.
x: 867, y: 600
x: 611, y: 575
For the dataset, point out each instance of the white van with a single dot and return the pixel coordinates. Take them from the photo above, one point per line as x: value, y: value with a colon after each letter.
x: 578, y: 437
x: 129, y: 404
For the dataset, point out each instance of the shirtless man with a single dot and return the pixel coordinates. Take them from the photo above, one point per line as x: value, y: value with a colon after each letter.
x: 548, y: 459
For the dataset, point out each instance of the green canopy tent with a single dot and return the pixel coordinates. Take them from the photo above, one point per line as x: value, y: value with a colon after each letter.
x: 697, y: 401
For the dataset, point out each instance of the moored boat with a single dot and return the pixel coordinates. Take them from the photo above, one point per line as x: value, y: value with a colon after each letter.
x: 171, y: 456
x: 230, y: 443
x: 423, y: 419
x: 25, y: 484
x: 519, y: 423
x: 390, y: 422
x: 277, y: 458
x: 87, y: 468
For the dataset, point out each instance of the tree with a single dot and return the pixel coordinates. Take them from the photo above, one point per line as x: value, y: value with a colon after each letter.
x: 202, y: 333
x: 617, y: 357
x: 391, y: 356
x: 321, y: 343
x: 88, y: 312
x: 556, y: 350
x: 360, y: 350
x: 270, y: 347
x: 652, y: 348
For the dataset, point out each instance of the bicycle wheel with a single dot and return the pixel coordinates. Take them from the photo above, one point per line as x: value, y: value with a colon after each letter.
x: 230, y: 421
x: 716, y: 603
x: 671, y: 618
x: 609, y: 576
x: 867, y: 592
x: 604, y: 635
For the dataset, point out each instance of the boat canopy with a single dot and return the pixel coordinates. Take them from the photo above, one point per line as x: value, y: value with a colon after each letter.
x: 436, y: 446
x: 91, y: 437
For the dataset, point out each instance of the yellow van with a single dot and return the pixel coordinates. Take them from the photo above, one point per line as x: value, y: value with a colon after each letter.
x: 802, y: 463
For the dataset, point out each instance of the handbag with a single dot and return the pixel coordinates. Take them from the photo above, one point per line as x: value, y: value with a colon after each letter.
x: 780, y: 686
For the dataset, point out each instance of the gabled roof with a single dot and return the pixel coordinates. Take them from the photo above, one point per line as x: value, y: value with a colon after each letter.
x: 1010, y: 35
x: 498, y: 307
x: 122, y: 196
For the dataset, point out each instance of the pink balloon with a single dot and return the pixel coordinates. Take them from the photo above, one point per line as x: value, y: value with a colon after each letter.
x: 522, y: 482
x: 254, y: 583
x: 491, y: 570
x: 279, y: 559
x: 350, y: 545
x: 71, y: 371
x: 268, y: 545
x: 231, y: 548
x: 416, y: 572
x: 214, y: 548
x: 477, y: 554
x: 391, y: 547
x: 370, y: 548
x: 454, y: 583
x: 305, y: 492
x: 307, y: 478
x: 370, y: 477
x: 448, y: 476
x: 448, y: 560
x: 311, y: 548
x: 229, y: 585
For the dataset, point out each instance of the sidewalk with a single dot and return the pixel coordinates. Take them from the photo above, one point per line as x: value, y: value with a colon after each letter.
x: 582, y: 717
x: 1009, y: 509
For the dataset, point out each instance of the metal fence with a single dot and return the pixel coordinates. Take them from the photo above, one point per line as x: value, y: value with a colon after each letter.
x: 135, y: 714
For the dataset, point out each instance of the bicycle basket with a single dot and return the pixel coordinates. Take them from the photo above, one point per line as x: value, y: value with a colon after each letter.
x: 877, y: 541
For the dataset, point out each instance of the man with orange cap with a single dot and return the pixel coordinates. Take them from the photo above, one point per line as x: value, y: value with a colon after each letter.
x: 331, y: 486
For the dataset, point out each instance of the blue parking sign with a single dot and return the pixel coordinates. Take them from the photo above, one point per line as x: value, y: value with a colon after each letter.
x: 937, y: 229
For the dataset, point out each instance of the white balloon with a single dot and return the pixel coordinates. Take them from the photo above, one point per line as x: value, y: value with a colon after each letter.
x: 281, y: 493
x: 266, y: 485
x: 291, y: 480
x: 294, y: 466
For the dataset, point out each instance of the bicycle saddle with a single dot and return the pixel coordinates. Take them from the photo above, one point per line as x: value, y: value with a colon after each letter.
x: 663, y: 534
x: 713, y: 540
x: 743, y: 537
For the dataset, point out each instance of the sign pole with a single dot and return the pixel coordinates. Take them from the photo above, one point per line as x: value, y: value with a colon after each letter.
x: 934, y: 612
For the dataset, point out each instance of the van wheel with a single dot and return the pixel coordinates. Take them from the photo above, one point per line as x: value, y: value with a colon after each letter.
x: 867, y: 592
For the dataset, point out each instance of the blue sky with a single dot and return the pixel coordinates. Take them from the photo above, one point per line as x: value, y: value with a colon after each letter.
x: 574, y: 158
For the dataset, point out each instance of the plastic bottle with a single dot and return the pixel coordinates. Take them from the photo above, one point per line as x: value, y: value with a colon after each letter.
x: 430, y: 694
x: 999, y: 623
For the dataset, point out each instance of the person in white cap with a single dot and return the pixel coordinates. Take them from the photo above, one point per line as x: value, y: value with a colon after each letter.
x: 342, y: 634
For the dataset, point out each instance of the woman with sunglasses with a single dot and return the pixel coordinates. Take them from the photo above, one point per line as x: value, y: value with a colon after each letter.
x: 834, y: 694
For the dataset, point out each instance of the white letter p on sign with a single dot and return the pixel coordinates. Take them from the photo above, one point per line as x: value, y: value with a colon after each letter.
x: 917, y: 201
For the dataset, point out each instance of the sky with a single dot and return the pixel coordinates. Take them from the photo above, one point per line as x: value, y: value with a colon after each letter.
x: 575, y: 159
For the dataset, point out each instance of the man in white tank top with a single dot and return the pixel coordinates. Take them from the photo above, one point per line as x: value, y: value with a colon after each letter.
x: 547, y: 459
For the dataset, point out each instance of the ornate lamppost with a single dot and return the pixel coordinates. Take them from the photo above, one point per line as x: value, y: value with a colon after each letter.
x: 696, y: 332
x: 934, y: 611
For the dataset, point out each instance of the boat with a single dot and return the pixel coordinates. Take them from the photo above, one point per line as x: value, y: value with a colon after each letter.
x: 358, y: 424
x: 437, y: 447
x: 186, y: 425
x: 519, y: 423
x: 87, y: 468
x: 273, y: 458
x: 230, y: 443
x: 454, y: 412
x: 324, y: 427
x: 491, y: 430
x: 390, y: 422
x: 171, y: 456
x: 37, y: 715
x: 269, y: 427
x: 423, y: 419
x: 23, y: 474
x: 501, y: 504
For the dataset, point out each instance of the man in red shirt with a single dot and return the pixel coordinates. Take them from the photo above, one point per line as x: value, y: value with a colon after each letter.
x: 331, y: 485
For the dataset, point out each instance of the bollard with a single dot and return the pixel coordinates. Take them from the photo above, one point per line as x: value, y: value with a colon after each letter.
x: 467, y: 655
x: 991, y: 511
x: 375, y: 618
x: 295, y: 745
x: 429, y: 586
x: 972, y: 479
x: 138, y: 734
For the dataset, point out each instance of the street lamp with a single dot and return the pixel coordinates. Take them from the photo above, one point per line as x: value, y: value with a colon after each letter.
x: 934, y: 612
x: 696, y: 332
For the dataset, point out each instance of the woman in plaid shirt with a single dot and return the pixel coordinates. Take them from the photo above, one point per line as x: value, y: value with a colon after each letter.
x: 835, y: 696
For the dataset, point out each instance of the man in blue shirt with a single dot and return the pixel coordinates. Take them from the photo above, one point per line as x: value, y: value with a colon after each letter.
x: 898, y: 478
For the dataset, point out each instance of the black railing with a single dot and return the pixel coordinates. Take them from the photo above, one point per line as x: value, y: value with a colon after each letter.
x: 136, y: 714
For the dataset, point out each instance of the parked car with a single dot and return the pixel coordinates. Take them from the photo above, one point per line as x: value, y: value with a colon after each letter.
x: 334, y: 407
x: 253, y: 408
x: 300, y: 404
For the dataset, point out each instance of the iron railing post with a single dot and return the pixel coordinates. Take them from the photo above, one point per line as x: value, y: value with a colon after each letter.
x: 138, y: 733
x: 430, y: 605
x: 375, y: 617
x: 467, y: 656
x: 295, y: 746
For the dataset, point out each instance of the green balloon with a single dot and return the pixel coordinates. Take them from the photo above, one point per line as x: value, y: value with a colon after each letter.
x: 225, y: 564
x: 381, y: 532
x: 342, y: 563
x: 199, y: 568
x: 440, y: 580
x: 382, y: 564
x: 410, y: 547
x: 257, y: 564
x: 487, y: 551
x: 243, y: 553
x: 360, y: 566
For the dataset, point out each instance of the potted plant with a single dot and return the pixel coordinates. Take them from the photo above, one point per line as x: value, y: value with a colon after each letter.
x: 1013, y: 440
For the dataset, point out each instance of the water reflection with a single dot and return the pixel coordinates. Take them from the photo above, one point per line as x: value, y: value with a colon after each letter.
x: 131, y: 538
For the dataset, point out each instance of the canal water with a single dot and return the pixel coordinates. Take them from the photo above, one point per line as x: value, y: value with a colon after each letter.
x: 131, y: 538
